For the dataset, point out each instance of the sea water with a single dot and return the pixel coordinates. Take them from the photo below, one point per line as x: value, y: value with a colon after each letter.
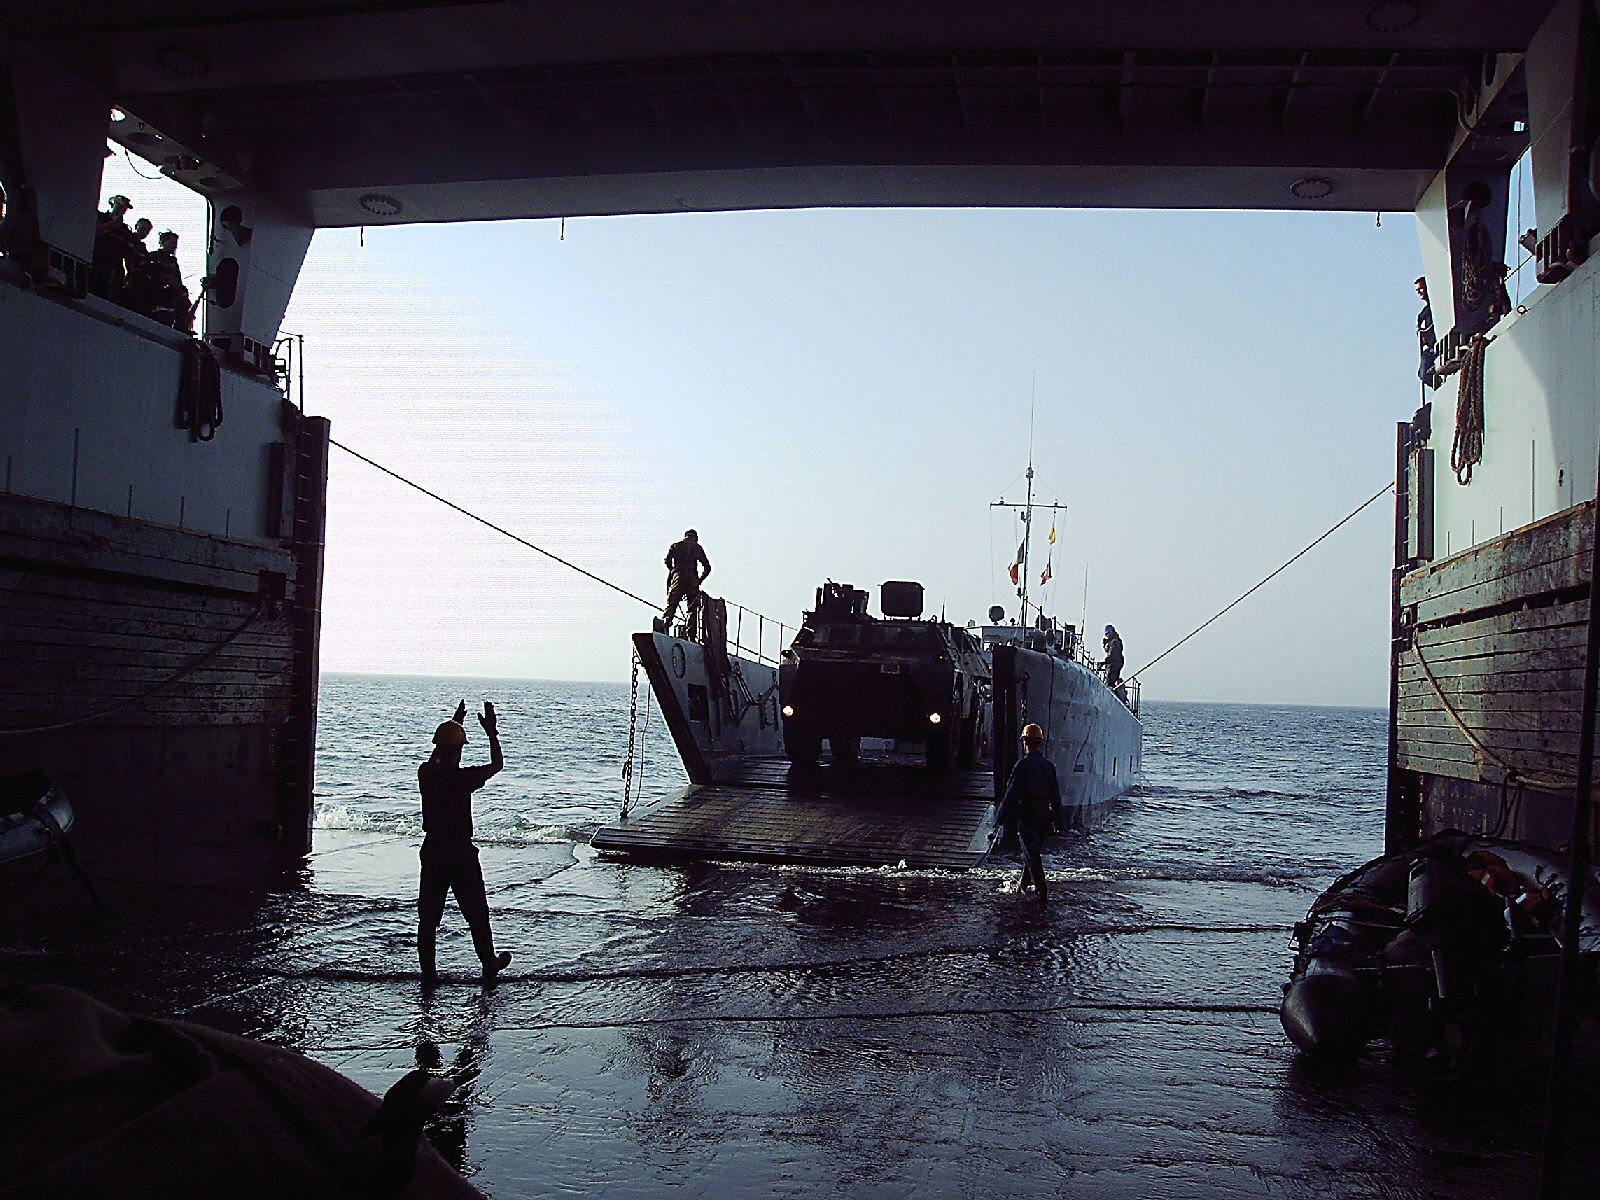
x: 1284, y: 796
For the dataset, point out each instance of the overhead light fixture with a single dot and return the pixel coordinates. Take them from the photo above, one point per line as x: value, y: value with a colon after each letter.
x: 380, y: 205
x: 180, y: 60
x: 1312, y: 187
x: 1391, y: 16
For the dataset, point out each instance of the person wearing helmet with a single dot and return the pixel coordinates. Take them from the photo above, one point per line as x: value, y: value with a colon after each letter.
x: 684, y: 562
x: 449, y: 859
x: 1032, y: 806
x: 1113, y: 645
x: 107, y: 269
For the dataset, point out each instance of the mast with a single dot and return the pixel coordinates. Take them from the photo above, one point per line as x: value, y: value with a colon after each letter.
x: 1027, y: 511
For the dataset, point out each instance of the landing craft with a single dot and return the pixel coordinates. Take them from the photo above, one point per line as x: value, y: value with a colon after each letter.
x: 922, y: 719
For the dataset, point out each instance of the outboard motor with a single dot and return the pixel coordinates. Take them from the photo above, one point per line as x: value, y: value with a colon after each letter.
x: 1463, y: 925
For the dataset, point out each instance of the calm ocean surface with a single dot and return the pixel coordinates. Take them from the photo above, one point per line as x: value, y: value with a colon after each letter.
x: 1285, y: 796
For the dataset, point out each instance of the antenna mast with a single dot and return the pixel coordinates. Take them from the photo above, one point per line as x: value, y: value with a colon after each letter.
x: 1027, y: 508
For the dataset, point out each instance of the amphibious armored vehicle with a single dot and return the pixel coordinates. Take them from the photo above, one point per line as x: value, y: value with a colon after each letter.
x: 849, y: 675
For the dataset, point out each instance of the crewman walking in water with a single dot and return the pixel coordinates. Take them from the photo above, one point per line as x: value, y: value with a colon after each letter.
x: 684, y: 561
x: 449, y: 859
x: 1032, y: 806
x: 1113, y: 645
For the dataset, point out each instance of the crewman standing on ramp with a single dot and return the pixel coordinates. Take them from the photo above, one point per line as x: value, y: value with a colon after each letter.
x: 684, y: 576
x: 449, y: 859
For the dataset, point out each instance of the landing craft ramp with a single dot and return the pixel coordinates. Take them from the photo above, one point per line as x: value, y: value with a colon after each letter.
x: 872, y: 814
x: 746, y: 802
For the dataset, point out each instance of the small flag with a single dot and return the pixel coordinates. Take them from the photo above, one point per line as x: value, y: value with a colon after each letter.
x: 1045, y: 577
x: 1016, y: 563
x: 1052, y: 532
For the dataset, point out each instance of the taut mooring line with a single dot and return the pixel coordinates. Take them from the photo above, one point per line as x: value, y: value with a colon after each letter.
x: 1388, y: 487
x: 522, y: 541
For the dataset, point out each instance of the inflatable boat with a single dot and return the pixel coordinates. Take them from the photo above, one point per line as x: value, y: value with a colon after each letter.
x: 35, y: 817
x: 1441, y: 948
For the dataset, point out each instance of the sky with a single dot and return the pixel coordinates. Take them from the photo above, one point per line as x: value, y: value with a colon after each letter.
x: 843, y: 394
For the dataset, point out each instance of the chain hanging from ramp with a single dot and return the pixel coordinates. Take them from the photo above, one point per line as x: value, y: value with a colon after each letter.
x: 636, y: 733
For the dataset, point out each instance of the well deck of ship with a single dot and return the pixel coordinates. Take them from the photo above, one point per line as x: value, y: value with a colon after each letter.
x: 875, y: 813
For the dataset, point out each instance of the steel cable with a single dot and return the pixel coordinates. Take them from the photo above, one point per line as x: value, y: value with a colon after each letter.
x: 1386, y: 488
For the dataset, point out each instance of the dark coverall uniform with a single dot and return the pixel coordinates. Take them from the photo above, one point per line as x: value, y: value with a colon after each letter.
x: 683, y: 562
x: 1032, y: 805
x: 1114, y: 660
x: 449, y: 859
x: 1427, y: 346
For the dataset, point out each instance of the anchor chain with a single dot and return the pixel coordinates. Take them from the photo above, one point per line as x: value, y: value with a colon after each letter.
x: 633, y: 724
x: 636, y: 736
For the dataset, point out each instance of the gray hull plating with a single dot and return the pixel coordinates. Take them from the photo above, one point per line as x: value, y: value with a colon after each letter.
x: 1093, y: 738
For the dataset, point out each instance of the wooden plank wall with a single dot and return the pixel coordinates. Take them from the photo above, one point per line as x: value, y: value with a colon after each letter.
x: 99, y: 614
x: 1501, y: 628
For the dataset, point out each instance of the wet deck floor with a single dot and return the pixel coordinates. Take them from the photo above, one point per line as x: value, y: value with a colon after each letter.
x: 751, y: 1030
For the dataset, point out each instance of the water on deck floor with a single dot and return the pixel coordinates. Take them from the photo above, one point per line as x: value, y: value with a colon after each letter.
x: 717, y: 1030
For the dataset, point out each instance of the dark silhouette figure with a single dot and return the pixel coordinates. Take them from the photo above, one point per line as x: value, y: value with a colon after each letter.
x: 1427, y: 340
x: 1113, y: 646
x: 157, y: 290
x: 1032, y: 806
x: 448, y: 1128
x: 400, y: 1119
x: 449, y: 859
x: 684, y: 562
x: 135, y: 252
x: 108, y: 273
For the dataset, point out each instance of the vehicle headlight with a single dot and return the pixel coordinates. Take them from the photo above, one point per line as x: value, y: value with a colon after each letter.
x: 788, y: 710
x: 934, y: 718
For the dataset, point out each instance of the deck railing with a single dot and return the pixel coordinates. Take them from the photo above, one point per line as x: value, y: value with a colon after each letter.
x: 765, y: 631
x: 751, y: 635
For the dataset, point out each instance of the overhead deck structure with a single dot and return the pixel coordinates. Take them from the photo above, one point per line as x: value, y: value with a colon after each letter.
x: 345, y: 114
x: 292, y: 116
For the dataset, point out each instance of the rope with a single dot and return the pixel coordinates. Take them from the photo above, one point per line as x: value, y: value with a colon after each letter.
x: 1477, y: 265
x: 1388, y: 487
x: 180, y: 673
x: 1550, y: 783
x: 1467, y: 449
x: 521, y: 541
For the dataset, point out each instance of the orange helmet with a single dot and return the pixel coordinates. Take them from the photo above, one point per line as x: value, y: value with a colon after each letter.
x: 1032, y: 733
x: 450, y: 734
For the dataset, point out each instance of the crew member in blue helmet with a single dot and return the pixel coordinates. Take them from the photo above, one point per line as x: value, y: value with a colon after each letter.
x: 449, y: 859
x: 1113, y: 645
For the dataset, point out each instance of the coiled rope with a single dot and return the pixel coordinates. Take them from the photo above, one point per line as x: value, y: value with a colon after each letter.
x: 1467, y: 449
x: 1388, y: 487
